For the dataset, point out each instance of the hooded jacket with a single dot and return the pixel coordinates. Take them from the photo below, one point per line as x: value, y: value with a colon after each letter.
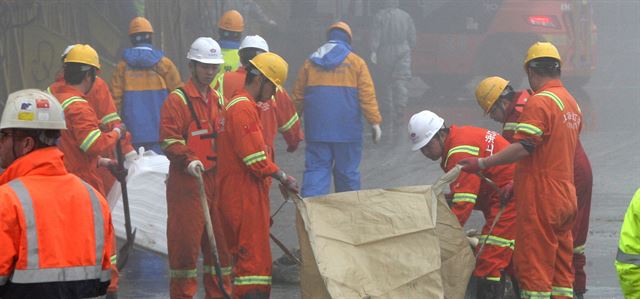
x: 140, y: 84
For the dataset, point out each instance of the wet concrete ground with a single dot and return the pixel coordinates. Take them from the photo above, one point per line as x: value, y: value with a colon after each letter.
x: 611, y: 137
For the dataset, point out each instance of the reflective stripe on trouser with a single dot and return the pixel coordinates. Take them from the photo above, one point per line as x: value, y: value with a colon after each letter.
x: 498, y: 251
x: 115, y: 274
x: 186, y: 235
x: 544, y: 246
x: 244, y: 205
x: 322, y: 159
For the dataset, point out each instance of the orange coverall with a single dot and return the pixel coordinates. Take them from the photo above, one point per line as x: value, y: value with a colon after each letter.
x: 100, y: 99
x: 471, y: 192
x: 543, y: 184
x: 243, y: 189
x: 186, y: 234
x: 72, y: 231
x: 277, y: 115
x: 583, y: 179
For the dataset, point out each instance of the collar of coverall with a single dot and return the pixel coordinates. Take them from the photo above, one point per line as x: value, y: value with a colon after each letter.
x: 193, y: 92
x: 550, y: 84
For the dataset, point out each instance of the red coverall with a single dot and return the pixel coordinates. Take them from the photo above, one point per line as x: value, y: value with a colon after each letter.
x: 471, y: 192
x: 544, y: 186
x: 186, y: 234
x: 278, y: 114
x: 583, y: 179
x: 100, y: 99
x: 243, y: 188
x: 83, y: 141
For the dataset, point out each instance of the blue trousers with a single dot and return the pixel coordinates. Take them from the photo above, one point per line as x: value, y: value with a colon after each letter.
x: 324, y: 158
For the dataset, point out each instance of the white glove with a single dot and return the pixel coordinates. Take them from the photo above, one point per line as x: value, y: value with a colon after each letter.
x: 374, y: 58
x: 129, y: 158
x: 104, y: 162
x: 377, y: 133
x: 195, y: 168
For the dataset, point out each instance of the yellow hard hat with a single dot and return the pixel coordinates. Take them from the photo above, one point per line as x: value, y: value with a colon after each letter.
x: 231, y: 21
x: 139, y: 25
x: 272, y: 66
x: 342, y: 26
x: 83, y: 54
x: 489, y: 90
x: 542, y: 49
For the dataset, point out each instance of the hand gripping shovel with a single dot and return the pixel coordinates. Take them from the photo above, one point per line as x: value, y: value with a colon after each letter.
x: 212, y: 238
x: 127, y: 248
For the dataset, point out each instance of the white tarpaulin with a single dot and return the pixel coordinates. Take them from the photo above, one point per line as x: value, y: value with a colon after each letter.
x: 383, y: 243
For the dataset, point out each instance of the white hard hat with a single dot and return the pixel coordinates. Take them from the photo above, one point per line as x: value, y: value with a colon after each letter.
x: 205, y: 50
x: 32, y: 109
x: 422, y: 127
x: 254, y: 41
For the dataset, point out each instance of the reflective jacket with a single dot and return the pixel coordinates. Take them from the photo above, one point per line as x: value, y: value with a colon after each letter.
x: 276, y: 115
x: 83, y: 141
x: 335, y: 89
x: 55, y: 231
x: 140, y: 85
x: 628, y: 257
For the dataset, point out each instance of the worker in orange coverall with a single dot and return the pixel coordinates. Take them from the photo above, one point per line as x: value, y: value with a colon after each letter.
x: 100, y: 99
x: 498, y: 99
x: 277, y: 114
x: 188, y: 132
x: 83, y: 142
x: 243, y: 177
x: 545, y: 144
x: 429, y: 134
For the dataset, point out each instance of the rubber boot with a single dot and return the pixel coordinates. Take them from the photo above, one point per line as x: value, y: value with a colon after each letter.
x: 488, y: 289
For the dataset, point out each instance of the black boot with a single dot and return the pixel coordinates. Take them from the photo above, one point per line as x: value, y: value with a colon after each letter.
x: 488, y: 289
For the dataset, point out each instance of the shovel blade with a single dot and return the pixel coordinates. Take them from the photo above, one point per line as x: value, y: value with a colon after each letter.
x: 125, y: 251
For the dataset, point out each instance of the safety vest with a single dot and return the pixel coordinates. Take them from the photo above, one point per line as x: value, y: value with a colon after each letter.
x: 231, y: 64
x: 201, y: 134
x: 628, y: 257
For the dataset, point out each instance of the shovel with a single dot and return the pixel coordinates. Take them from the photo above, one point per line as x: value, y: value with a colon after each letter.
x: 503, y: 205
x: 211, y: 237
x: 127, y: 248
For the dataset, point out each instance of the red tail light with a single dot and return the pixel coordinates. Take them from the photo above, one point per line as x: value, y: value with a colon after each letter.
x: 544, y: 21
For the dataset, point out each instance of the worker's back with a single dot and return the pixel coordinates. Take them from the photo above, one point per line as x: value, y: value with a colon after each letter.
x: 56, y: 231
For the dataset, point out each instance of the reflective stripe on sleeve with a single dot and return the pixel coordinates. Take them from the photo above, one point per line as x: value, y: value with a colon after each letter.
x: 509, y: 126
x: 289, y: 123
x: 235, y: 101
x: 497, y: 241
x: 562, y: 291
x: 61, y: 274
x: 465, y: 197
x: 255, y: 157
x: 90, y: 139
x: 114, y: 259
x: 492, y: 278
x: 628, y: 258
x: 471, y: 150
x: 26, y: 202
x: 529, y: 129
x: 189, y: 273
x: 554, y: 97
x: 169, y: 141
x: 249, y: 280
x: 109, y: 118
x: 72, y: 100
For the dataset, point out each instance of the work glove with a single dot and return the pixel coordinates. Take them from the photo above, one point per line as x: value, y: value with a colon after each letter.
x: 129, y: 158
x: 287, y: 181
x: 292, y: 147
x: 273, y: 23
x: 376, y: 132
x: 120, y: 173
x: 472, y: 164
x: 195, y: 168
x: 121, y: 128
x: 374, y: 58
x: 506, y: 193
